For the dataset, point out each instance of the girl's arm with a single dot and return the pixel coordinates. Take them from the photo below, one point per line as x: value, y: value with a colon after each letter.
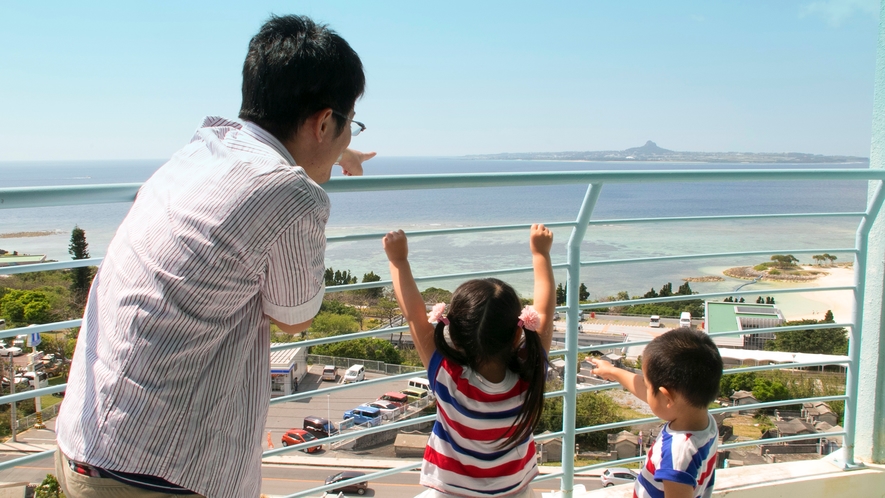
x: 407, y: 295
x: 632, y: 382
x: 540, y: 241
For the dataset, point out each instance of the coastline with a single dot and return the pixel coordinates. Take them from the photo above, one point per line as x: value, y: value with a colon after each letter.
x: 814, y: 304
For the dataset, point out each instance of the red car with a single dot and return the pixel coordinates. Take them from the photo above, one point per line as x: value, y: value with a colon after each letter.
x: 397, y: 398
x: 298, y: 436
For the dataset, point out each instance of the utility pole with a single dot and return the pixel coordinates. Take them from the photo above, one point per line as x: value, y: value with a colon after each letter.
x: 12, y: 415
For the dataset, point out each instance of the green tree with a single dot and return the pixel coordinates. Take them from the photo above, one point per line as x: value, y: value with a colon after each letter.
x: 375, y: 292
x: 590, y: 409
x: 736, y: 382
x: 81, y: 278
x: 821, y: 341
x: 583, y: 293
x: 25, y: 307
x: 327, y: 324
x: 828, y: 317
x: 684, y: 290
x: 560, y: 294
x: 766, y: 389
x: 666, y: 290
x: 759, y: 300
x: 365, y: 349
x: 650, y: 294
x: 436, y: 295
x: 388, y: 308
x: 49, y: 488
x: 334, y: 277
x: 784, y: 260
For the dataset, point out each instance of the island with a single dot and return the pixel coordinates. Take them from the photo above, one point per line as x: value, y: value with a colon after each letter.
x: 651, y: 152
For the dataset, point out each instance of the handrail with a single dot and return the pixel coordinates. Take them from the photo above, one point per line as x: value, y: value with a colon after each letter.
x: 29, y: 197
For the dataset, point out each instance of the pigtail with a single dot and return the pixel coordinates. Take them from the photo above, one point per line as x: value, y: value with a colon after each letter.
x: 530, y: 363
x: 443, y: 346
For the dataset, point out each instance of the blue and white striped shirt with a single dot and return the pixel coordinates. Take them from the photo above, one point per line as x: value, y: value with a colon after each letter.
x: 171, y: 374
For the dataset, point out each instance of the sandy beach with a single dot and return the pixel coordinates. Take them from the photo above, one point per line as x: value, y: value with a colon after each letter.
x: 815, y: 304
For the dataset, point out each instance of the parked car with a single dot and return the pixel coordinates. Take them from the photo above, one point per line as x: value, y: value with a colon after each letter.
x: 685, y: 319
x: 330, y: 372
x: 319, y: 427
x: 397, y: 398
x: 10, y: 351
x: 414, y: 393
x: 654, y: 321
x: 357, y: 487
x: 364, y: 415
x: 617, y: 475
x: 20, y: 382
x: 389, y: 410
x: 355, y: 373
x: 420, y: 383
x: 298, y: 436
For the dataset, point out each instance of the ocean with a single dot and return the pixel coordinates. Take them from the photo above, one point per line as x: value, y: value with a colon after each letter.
x: 371, y: 212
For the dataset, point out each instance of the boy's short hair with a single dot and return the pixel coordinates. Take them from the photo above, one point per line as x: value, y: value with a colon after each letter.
x: 685, y: 361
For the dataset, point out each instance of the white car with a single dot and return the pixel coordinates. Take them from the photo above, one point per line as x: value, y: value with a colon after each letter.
x: 617, y: 475
x: 389, y: 411
x: 654, y: 321
x: 10, y: 351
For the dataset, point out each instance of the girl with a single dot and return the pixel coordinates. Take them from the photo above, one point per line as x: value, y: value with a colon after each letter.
x: 488, y: 374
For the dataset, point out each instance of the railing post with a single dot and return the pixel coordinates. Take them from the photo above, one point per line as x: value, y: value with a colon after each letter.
x: 856, y: 333
x: 570, y: 378
x: 869, y: 417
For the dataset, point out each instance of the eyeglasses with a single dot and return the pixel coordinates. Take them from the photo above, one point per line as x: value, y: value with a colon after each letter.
x: 355, y: 126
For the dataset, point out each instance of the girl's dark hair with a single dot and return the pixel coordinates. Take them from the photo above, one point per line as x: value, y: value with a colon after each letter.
x: 295, y: 68
x: 482, y: 322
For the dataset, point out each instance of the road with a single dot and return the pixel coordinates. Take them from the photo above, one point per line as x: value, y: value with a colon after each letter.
x: 286, y: 479
x: 281, y: 480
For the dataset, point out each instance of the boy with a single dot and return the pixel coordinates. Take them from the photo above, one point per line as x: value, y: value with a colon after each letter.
x: 681, y: 370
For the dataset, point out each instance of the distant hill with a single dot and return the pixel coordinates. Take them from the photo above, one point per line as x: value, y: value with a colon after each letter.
x: 651, y: 152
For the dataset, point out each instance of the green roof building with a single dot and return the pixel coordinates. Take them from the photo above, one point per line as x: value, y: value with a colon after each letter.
x: 734, y: 317
x: 8, y: 260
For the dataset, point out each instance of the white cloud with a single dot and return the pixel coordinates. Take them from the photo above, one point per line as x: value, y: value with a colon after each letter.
x: 835, y: 12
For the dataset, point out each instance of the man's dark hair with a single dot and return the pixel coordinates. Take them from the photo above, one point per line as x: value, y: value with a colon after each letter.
x: 685, y: 361
x: 295, y: 68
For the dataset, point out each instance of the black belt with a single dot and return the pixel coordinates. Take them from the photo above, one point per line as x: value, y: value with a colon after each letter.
x: 150, y: 483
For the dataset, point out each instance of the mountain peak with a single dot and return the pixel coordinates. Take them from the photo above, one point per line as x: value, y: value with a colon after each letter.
x: 649, y: 148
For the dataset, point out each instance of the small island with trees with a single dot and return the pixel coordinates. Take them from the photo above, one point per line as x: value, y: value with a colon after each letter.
x: 783, y: 268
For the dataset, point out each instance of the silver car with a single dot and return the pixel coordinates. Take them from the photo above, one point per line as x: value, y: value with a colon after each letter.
x: 617, y: 475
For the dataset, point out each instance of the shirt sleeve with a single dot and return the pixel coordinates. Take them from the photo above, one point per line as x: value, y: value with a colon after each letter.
x: 433, y: 368
x: 294, y: 286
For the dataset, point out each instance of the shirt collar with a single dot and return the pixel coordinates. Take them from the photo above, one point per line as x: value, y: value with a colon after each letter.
x: 266, y: 138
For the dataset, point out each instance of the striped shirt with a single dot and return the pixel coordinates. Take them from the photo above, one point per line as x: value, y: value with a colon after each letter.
x: 683, y: 457
x: 171, y: 375
x: 473, y: 416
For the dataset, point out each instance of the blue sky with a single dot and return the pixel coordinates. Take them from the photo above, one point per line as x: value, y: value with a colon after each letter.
x: 113, y: 80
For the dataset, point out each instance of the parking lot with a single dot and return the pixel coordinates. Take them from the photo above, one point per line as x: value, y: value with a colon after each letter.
x: 289, y: 415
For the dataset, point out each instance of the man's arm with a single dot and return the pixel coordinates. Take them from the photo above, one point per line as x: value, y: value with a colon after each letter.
x: 631, y: 381
x: 294, y: 328
x: 540, y: 241
x: 407, y: 295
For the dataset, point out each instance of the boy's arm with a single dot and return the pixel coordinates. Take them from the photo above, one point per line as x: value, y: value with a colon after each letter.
x: 631, y: 381
x: 410, y: 301
x: 673, y: 489
x: 540, y: 241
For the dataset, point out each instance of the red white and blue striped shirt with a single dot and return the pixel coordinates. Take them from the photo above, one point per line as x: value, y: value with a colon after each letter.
x: 171, y: 375
x: 473, y: 417
x: 680, y: 456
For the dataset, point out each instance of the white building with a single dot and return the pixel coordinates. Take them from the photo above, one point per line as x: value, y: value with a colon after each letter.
x: 287, y: 368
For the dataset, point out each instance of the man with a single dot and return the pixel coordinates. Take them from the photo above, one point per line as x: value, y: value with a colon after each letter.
x: 170, y: 382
